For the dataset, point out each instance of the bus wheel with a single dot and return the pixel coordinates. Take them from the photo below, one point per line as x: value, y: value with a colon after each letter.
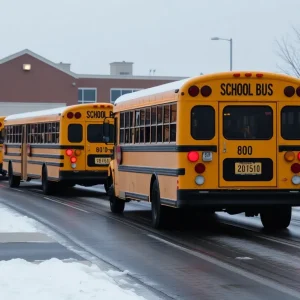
x: 107, y: 184
x: 14, y: 181
x: 116, y: 205
x: 46, y: 184
x: 276, y: 218
x: 158, y: 210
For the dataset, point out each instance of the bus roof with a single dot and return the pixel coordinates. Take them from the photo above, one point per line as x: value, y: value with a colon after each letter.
x: 39, y: 113
x: 154, y: 90
x: 52, y: 112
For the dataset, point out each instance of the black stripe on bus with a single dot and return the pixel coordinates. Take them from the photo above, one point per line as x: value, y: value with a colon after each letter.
x: 13, y: 154
x: 53, y: 146
x: 169, y: 148
x: 56, y: 156
x: 137, y: 196
x: 36, y: 162
x: 289, y: 148
x: 151, y: 170
x: 12, y: 160
x: 13, y: 145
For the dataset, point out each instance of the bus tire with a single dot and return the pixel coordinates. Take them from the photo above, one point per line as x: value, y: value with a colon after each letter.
x: 276, y: 218
x: 158, y: 211
x: 116, y: 205
x: 107, y: 184
x: 46, y: 184
x: 13, y: 181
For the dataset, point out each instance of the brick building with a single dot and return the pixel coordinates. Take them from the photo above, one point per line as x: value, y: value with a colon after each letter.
x: 30, y: 82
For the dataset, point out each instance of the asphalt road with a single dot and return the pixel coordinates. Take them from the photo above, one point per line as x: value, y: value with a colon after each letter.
x: 217, y: 257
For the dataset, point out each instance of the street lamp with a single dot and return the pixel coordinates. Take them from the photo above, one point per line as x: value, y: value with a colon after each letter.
x: 230, y: 41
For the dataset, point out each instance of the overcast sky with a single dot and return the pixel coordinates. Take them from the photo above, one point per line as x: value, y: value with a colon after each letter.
x: 171, y: 36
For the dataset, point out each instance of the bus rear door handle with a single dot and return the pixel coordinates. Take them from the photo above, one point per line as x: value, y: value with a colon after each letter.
x: 224, y: 147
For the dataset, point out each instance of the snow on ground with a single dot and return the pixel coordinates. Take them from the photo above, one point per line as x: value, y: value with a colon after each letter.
x: 11, y: 221
x: 55, y: 279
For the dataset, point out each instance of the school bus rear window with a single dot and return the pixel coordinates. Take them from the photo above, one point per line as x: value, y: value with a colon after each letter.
x: 95, y: 133
x: 290, y: 122
x: 203, y: 122
x: 75, y: 133
x: 247, y: 122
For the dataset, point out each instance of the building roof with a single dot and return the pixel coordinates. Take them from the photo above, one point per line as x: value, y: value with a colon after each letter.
x: 75, y: 75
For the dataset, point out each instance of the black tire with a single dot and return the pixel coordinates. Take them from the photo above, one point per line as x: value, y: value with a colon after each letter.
x: 116, y: 205
x: 107, y: 184
x: 13, y: 181
x: 47, y: 185
x: 276, y: 218
x: 158, y: 210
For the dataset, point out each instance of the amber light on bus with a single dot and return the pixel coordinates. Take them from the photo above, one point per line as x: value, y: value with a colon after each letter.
x: 289, y: 156
x: 77, y: 152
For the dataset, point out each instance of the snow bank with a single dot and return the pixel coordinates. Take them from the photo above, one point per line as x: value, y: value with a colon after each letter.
x: 55, y: 279
x: 11, y: 221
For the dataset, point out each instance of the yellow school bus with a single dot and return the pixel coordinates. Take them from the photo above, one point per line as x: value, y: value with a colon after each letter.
x: 219, y: 142
x: 61, y: 146
x: 2, y: 171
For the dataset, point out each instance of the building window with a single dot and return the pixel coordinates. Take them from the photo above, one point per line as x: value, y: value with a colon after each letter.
x: 116, y: 93
x: 87, y: 95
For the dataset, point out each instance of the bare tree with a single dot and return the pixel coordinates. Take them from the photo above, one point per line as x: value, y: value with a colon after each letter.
x: 288, y: 49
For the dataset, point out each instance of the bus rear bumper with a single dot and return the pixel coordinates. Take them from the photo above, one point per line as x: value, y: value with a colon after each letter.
x: 226, y: 199
x: 84, y: 177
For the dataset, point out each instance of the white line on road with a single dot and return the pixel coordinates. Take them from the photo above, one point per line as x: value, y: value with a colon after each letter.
x: 257, y: 278
x: 62, y: 203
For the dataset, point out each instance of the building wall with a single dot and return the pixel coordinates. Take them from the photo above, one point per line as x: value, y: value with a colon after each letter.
x: 104, y: 86
x: 43, y: 83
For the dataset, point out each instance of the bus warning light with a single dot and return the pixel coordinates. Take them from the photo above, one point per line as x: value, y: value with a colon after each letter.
x: 289, y: 91
x: 289, y: 156
x: 77, y: 115
x: 194, y: 91
x: 206, y: 91
x: 248, y: 74
x: 259, y: 75
x: 297, y: 92
x: 193, y: 156
x: 77, y: 152
x: 70, y: 115
x: 236, y: 75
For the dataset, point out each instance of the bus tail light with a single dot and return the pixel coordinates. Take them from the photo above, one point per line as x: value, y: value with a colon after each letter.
x: 73, y: 159
x: 199, y: 180
x: 295, y: 168
x: 70, y: 115
x: 193, y: 91
x: 69, y: 152
x: 289, y: 156
x: 193, y: 156
x: 77, y: 115
x: 77, y: 152
x: 200, y: 168
x: 73, y: 166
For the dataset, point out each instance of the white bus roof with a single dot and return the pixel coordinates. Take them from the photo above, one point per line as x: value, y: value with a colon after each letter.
x: 39, y: 113
x: 154, y: 90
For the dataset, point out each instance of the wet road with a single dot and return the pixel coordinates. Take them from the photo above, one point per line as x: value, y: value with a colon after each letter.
x: 217, y: 257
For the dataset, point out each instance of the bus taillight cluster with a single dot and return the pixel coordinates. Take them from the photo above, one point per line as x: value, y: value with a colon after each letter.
x: 73, y: 156
x: 71, y: 115
x: 193, y: 156
x: 290, y: 156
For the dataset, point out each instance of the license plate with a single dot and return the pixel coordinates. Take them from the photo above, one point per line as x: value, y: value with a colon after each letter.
x: 248, y: 168
x: 102, y: 160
